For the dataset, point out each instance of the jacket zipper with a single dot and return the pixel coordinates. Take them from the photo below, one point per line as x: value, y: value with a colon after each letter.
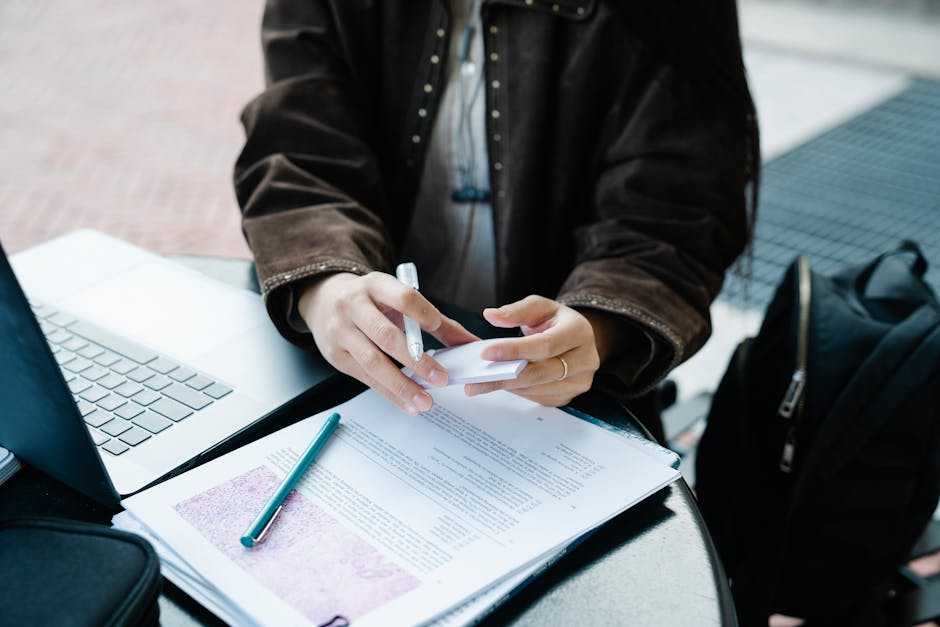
x: 791, y: 407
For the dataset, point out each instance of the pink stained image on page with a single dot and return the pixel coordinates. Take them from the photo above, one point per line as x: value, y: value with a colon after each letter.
x: 308, y: 559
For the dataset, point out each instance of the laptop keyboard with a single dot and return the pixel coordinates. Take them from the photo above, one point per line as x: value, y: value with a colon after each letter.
x: 127, y: 394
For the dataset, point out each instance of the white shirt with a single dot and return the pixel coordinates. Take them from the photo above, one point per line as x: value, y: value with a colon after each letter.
x: 452, y: 243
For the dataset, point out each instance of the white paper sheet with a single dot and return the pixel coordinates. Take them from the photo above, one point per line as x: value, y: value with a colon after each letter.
x: 400, y: 518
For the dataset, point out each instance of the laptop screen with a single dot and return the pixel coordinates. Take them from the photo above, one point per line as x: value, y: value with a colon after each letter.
x: 38, y: 418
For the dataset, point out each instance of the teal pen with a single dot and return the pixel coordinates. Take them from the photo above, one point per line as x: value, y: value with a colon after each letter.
x: 257, y: 530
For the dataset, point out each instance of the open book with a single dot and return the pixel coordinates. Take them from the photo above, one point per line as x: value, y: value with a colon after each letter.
x: 401, y: 520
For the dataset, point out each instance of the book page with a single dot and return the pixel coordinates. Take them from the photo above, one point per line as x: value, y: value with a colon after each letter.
x: 400, y: 518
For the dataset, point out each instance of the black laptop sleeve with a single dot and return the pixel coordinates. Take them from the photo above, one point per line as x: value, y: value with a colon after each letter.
x: 57, y: 572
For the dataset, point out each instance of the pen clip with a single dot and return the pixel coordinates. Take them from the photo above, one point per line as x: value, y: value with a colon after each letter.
x: 268, y: 526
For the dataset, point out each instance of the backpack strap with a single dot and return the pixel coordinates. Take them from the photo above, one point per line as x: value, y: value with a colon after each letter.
x: 918, y: 267
x: 910, y: 352
x: 891, y: 286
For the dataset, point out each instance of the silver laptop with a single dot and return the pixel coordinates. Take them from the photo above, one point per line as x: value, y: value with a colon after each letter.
x: 161, y: 362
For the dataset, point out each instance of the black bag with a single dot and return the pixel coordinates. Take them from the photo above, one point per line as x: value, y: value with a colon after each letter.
x: 820, y: 463
x: 57, y: 572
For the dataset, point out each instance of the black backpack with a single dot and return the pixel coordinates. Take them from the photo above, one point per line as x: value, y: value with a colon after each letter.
x: 820, y: 463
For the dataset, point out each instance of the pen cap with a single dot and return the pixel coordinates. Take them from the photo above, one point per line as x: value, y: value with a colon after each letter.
x: 407, y: 273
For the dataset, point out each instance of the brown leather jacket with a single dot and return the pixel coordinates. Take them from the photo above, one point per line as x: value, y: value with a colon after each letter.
x: 612, y: 187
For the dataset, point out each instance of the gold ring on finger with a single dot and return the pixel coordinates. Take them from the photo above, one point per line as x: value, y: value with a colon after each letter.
x: 564, y: 375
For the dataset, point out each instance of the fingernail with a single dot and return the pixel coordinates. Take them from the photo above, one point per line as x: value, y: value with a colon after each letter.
x: 437, y: 325
x: 422, y: 400
x: 492, y: 354
x: 411, y: 409
x: 437, y: 377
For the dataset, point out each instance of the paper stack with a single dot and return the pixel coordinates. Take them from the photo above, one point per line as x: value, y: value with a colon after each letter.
x: 8, y: 464
x: 464, y: 364
x: 402, y: 520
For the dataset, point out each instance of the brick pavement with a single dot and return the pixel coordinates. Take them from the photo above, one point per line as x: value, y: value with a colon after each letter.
x: 124, y: 117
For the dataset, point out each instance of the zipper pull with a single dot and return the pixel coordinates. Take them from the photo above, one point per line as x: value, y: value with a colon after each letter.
x: 794, y: 392
x: 789, y: 450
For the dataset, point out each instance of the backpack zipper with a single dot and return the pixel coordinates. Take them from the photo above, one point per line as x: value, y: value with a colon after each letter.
x: 791, y: 407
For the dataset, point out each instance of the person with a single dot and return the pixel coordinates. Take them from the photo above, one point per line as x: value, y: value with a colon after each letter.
x: 584, y: 170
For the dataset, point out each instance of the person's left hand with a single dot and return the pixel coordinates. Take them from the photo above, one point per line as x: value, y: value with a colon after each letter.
x: 559, y: 343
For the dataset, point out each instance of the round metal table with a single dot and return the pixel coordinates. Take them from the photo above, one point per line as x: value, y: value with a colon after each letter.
x: 655, y: 564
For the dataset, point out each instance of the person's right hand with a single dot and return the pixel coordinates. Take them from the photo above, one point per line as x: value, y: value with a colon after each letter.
x: 357, y: 324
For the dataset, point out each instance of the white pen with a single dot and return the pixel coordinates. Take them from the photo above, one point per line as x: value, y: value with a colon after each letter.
x: 407, y: 273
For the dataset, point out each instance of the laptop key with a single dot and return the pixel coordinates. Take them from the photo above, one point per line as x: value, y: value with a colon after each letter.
x: 200, y: 382
x: 113, y: 342
x: 59, y: 336
x: 128, y: 389
x: 115, y: 447
x: 61, y: 319
x: 140, y: 374
x: 217, y: 390
x: 129, y: 410
x: 78, y: 385
x: 78, y: 364
x: 152, y: 422
x: 91, y: 351
x: 111, y: 381
x: 47, y: 327
x: 84, y: 407
x: 145, y: 397
x: 75, y: 344
x: 171, y: 409
x: 64, y: 357
x: 116, y: 427
x: 162, y: 365
x: 94, y: 394
x: 107, y: 359
x: 135, y: 436
x: 182, y: 374
x: 97, y: 437
x: 94, y: 373
x: 157, y: 383
x: 122, y: 366
x: 98, y: 418
x: 111, y: 402
x: 189, y: 397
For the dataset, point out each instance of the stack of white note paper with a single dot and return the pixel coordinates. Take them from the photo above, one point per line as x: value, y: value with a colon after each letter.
x: 402, y: 519
x: 464, y: 364
x: 8, y: 464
